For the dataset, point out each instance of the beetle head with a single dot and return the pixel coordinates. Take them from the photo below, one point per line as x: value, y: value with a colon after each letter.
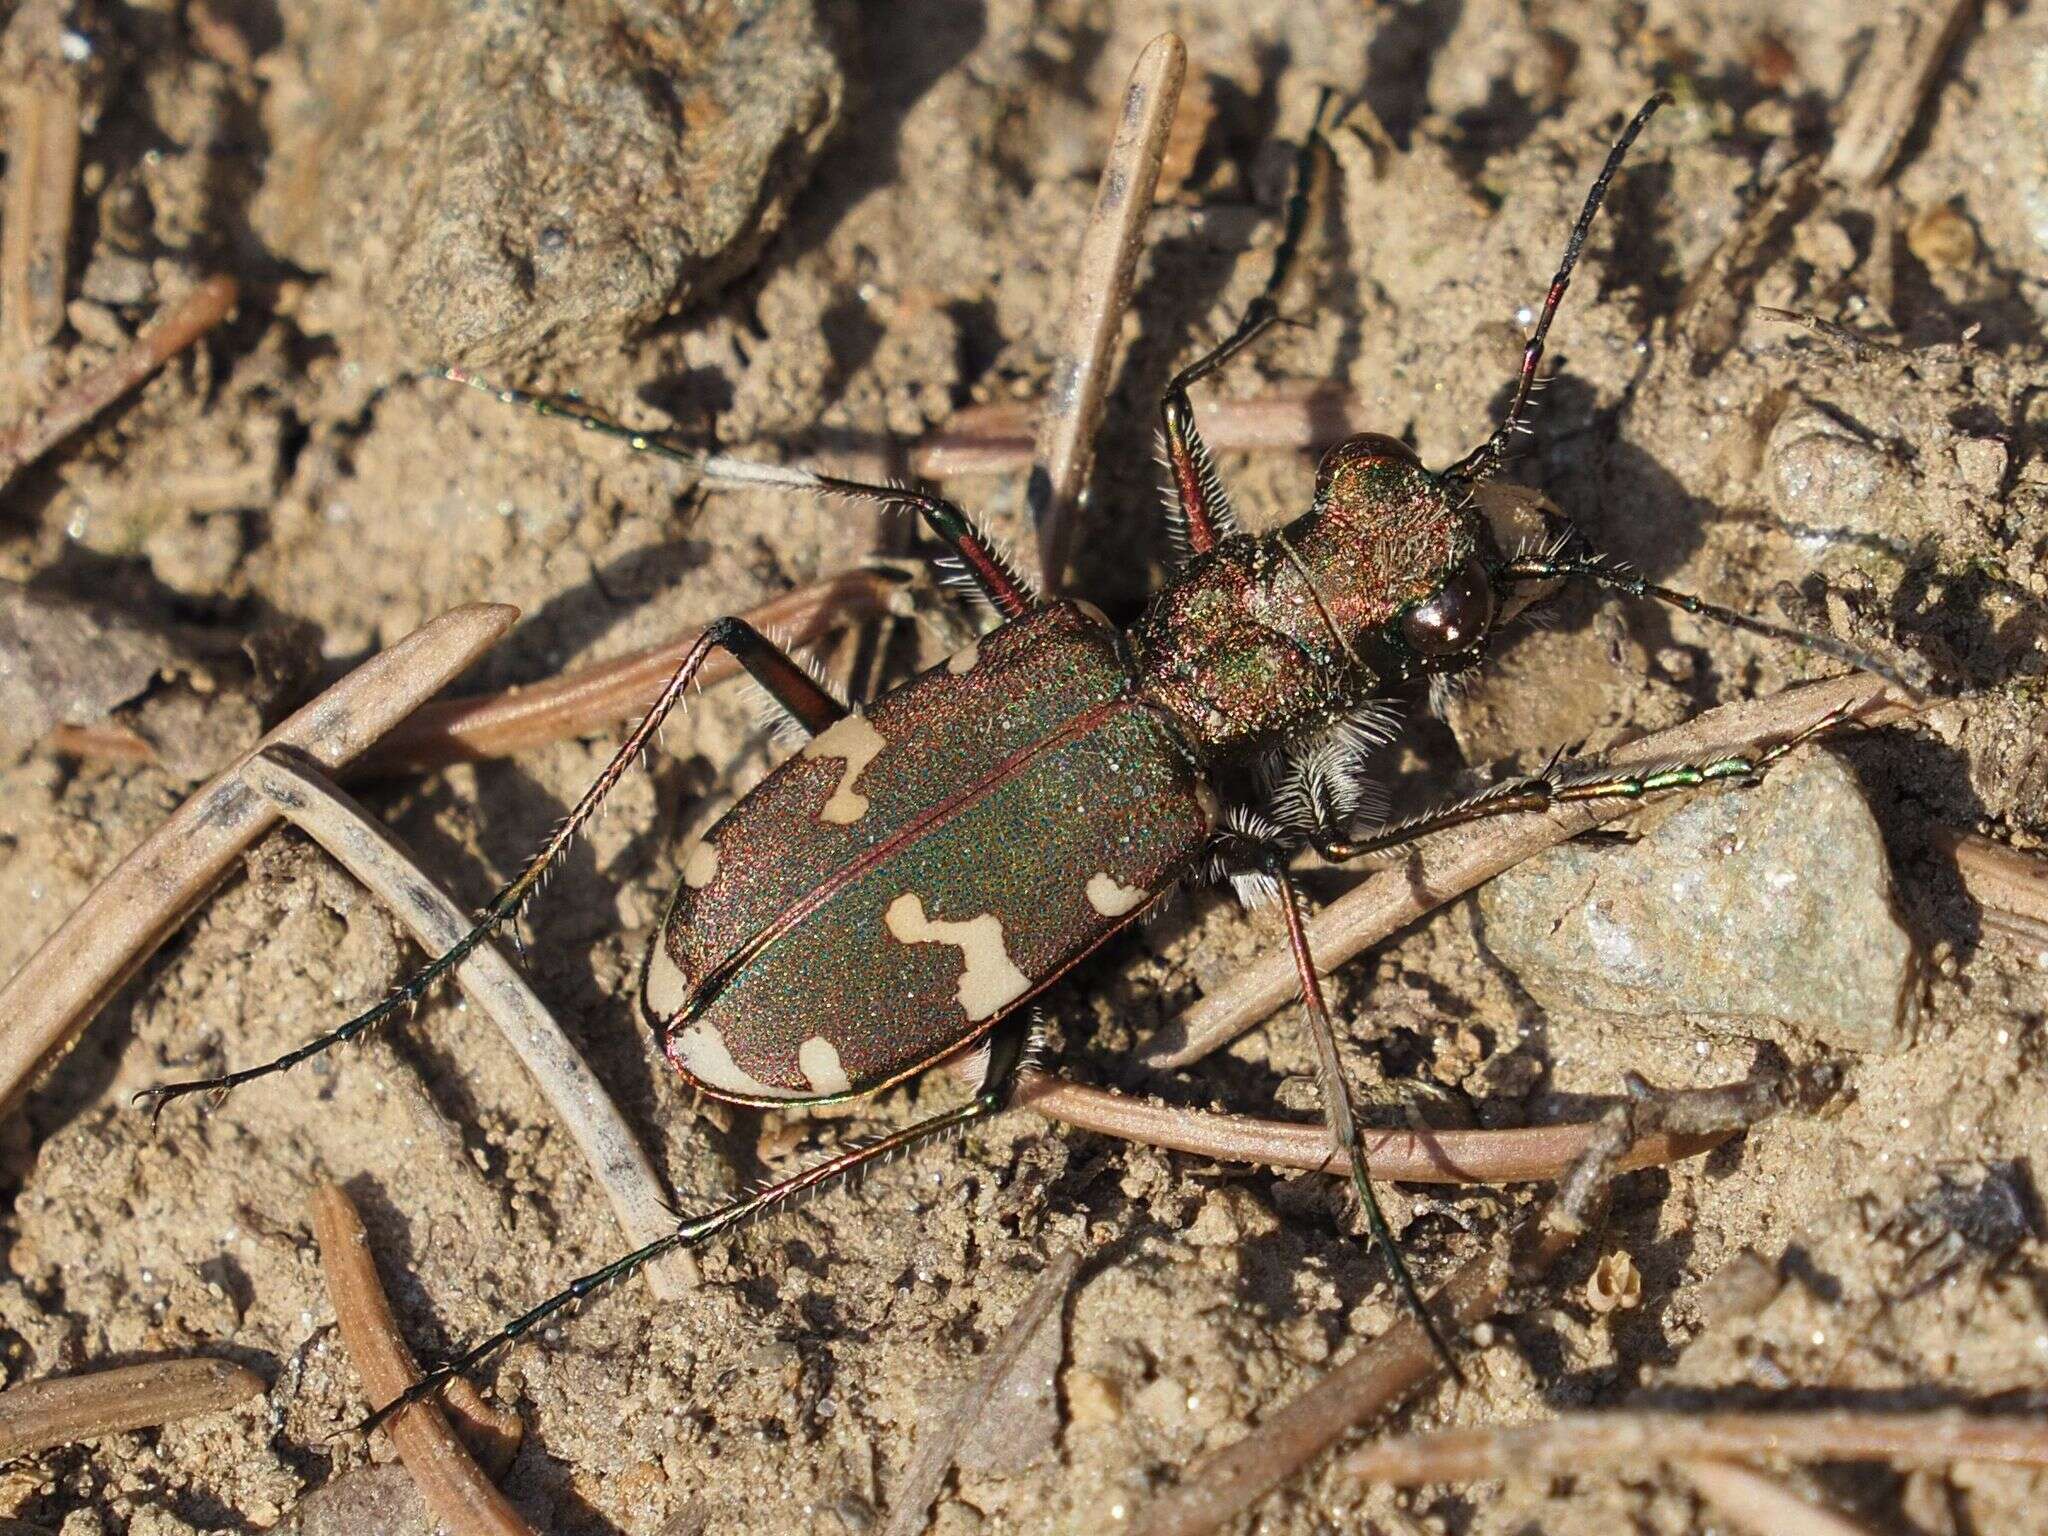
x: 1407, y: 559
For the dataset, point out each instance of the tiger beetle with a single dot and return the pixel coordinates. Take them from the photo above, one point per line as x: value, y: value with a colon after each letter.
x: 845, y: 925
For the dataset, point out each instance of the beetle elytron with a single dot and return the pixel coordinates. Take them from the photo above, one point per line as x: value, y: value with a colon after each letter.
x: 844, y: 925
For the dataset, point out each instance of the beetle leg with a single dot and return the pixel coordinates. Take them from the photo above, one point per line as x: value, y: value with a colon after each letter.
x: 977, y: 560
x: 787, y: 681
x: 972, y: 558
x: 1549, y: 789
x: 1252, y: 854
x: 1337, y: 1115
x: 1011, y: 1047
x: 1198, y: 503
x: 784, y: 679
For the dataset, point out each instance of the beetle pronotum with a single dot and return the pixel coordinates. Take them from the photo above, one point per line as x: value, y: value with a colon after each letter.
x: 1093, y: 753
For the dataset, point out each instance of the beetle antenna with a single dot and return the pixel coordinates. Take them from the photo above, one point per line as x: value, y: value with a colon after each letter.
x: 1619, y: 578
x: 1486, y: 458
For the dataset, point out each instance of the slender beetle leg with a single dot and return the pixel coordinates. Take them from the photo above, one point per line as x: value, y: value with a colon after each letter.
x: 972, y: 557
x: 785, y: 681
x: 1204, y: 508
x: 1270, y: 861
x: 1545, y: 791
x: 1009, y: 1048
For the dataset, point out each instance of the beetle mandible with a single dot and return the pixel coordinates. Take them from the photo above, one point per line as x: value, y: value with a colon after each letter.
x: 1088, y: 755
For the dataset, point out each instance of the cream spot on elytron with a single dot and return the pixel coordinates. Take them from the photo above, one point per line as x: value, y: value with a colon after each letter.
x: 856, y: 741
x: 666, y: 988
x: 1111, y: 899
x: 989, y: 981
x: 701, y: 867
x: 962, y: 661
x: 703, y: 1054
x: 820, y: 1063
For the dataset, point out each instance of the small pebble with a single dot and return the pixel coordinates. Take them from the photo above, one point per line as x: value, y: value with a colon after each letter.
x: 1825, y: 246
x: 1771, y: 118
x: 97, y: 324
x: 1615, y: 1285
x: 1942, y: 239
x: 118, y: 280
x: 1093, y: 1398
x: 1766, y: 909
x: 1982, y: 463
x: 1164, y: 1401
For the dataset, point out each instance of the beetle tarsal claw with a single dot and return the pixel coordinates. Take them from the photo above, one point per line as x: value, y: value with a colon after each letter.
x: 161, y: 1096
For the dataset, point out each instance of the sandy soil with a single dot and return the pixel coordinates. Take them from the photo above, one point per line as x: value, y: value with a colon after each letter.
x: 293, y: 478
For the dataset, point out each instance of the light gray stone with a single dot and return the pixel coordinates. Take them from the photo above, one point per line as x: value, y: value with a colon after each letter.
x: 1766, y: 910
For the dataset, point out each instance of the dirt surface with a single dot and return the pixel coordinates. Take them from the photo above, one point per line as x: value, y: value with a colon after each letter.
x: 293, y: 476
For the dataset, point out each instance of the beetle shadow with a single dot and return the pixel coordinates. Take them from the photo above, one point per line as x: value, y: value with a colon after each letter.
x: 1400, y: 59
x: 891, y: 60
x: 615, y: 592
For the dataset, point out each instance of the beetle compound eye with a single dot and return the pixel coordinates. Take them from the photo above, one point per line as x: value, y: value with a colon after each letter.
x: 1455, y: 618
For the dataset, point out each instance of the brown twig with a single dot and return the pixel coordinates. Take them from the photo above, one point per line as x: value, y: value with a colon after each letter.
x: 2009, y: 887
x: 1764, y: 1505
x: 1101, y: 293
x: 128, y: 914
x: 105, y: 741
x: 1863, y: 348
x: 1444, y: 868
x: 493, y: 1434
x: 1891, y: 89
x: 174, y: 329
x: 939, y: 1443
x: 996, y: 439
x: 39, y: 1414
x: 40, y: 196
x: 449, y: 1479
x: 367, y: 849
x: 1533, y: 1153
x: 1628, y: 1439
x: 595, y: 697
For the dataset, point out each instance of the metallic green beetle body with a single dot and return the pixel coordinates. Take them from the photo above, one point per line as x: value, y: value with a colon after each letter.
x: 926, y: 866
x: 922, y: 868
